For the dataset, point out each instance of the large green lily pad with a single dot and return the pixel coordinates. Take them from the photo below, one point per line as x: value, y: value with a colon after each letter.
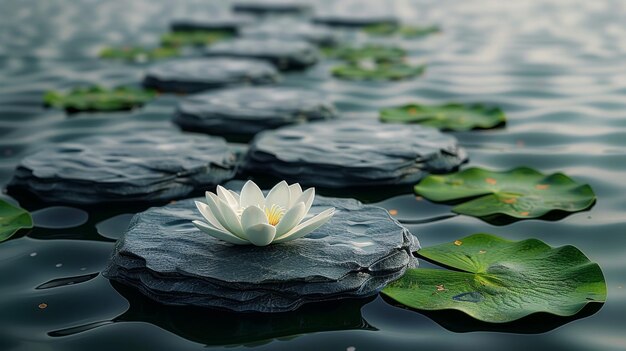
x: 379, y: 72
x: 139, y: 54
x: 96, y: 98
x: 377, y: 53
x: 519, y: 193
x: 194, y: 38
x: 12, y: 219
x: 454, y: 117
x: 496, y: 280
x: 387, y: 29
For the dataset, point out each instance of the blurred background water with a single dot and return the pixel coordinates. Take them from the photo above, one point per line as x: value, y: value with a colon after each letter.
x: 556, y: 67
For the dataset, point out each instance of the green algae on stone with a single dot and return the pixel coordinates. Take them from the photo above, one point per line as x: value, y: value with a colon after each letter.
x: 377, y: 71
x: 455, y: 117
x: 402, y: 30
x: 194, y: 38
x: 139, y: 54
x: 498, y: 281
x: 519, y: 193
x: 97, y: 98
x: 12, y: 219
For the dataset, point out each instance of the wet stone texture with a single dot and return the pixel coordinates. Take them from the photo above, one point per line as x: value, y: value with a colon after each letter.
x: 227, y: 23
x: 249, y: 110
x: 354, y: 19
x: 353, y: 153
x: 284, y: 54
x: 194, y: 75
x: 271, y: 7
x: 356, y: 254
x: 155, y: 165
x: 317, y: 35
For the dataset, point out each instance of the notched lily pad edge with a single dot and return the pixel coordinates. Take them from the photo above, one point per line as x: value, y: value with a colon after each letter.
x: 502, y: 218
x: 583, y: 306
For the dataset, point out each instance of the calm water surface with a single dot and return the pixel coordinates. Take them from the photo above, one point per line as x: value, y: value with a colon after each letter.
x: 557, y: 68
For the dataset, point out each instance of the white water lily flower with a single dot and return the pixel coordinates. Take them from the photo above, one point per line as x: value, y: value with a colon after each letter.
x: 251, y: 218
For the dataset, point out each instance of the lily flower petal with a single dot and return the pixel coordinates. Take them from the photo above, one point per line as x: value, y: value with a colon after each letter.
x: 307, y: 227
x: 279, y: 195
x: 213, y: 202
x: 208, y: 215
x: 307, y: 197
x: 261, y: 234
x: 251, y: 195
x: 290, y: 219
x: 252, y: 216
x: 294, y: 193
x: 225, y: 195
x: 218, y: 234
x: 231, y: 221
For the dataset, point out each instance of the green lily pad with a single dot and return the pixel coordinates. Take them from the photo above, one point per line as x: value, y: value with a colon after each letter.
x: 12, y: 219
x: 139, y: 54
x: 497, y: 281
x: 380, y: 72
x: 193, y: 38
x: 97, y: 98
x: 387, y: 29
x: 519, y: 193
x: 455, y: 117
x: 377, y: 53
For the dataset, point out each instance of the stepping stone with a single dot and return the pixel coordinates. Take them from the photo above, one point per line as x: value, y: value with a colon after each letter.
x: 357, y: 253
x: 226, y: 23
x: 353, y: 153
x: 355, y: 20
x: 248, y: 110
x: 194, y: 75
x: 292, y: 30
x: 284, y: 54
x: 145, y: 166
x: 272, y: 7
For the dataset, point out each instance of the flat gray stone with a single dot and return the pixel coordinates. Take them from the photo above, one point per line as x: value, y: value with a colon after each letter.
x: 151, y: 165
x: 195, y: 75
x: 227, y: 23
x: 249, y: 110
x: 358, y: 19
x: 284, y: 54
x: 292, y: 30
x: 272, y: 6
x: 356, y: 254
x: 353, y: 153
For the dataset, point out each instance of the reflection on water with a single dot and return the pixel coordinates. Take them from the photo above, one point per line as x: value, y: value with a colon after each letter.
x: 556, y: 68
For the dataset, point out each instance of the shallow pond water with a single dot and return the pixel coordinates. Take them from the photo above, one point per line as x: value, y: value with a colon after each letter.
x: 556, y: 68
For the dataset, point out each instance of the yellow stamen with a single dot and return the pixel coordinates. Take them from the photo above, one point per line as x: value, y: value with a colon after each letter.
x: 274, y: 214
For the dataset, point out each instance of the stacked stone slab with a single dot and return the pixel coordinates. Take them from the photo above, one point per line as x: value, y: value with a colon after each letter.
x: 226, y: 23
x: 284, y: 54
x: 292, y: 30
x: 195, y: 75
x: 248, y: 110
x: 271, y: 7
x: 355, y: 254
x: 135, y: 166
x: 353, y: 153
x: 355, y: 19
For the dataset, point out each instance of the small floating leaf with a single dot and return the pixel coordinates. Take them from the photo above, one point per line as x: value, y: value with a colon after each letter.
x: 194, y: 38
x: 454, y: 117
x: 96, y: 98
x: 377, y: 53
x: 387, y: 29
x: 12, y: 219
x: 139, y: 54
x: 513, y: 193
x: 380, y: 71
x: 511, y: 280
